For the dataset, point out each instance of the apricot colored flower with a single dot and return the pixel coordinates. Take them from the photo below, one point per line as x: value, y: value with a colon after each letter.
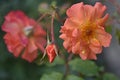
x: 51, y: 52
x: 23, y: 35
x: 83, y: 31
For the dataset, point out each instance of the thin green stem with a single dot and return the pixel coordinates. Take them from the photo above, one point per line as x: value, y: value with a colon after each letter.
x: 40, y: 18
x: 52, y: 27
x: 67, y: 67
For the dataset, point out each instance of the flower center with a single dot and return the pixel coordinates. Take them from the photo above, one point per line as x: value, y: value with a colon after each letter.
x: 28, y: 30
x: 88, y: 31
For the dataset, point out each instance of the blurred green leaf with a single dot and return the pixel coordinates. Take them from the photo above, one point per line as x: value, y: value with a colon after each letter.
x: 44, y: 8
x: 108, y: 29
x: 73, y: 77
x: 118, y: 34
x: 57, y: 61
x: 53, y: 4
x: 101, y: 69
x: 52, y: 76
x: 109, y: 76
x: 87, y: 68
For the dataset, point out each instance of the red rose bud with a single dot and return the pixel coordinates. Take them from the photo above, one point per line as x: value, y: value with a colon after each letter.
x: 51, y: 52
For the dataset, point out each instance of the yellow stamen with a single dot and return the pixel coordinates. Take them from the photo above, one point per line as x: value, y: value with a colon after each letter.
x: 83, y: 52
x: 87, y: 30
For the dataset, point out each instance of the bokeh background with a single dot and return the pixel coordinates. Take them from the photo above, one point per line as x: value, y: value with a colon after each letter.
x: 12, y: 68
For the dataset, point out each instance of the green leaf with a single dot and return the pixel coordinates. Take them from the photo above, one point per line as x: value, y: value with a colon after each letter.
x: 118, y: 34
x: 57, y: 61
x: 52, y: 76
x: 109, y: 76
x: 73, y: 77
x: 85, y: 67
x: 101, y: 69
x: 44, y: 8
x: 108, y: 29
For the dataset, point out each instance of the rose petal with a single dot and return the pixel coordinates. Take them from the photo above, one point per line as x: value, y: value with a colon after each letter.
x: 89, y: 12
x: 17, y: 50
x: 92, y: 55
x: 103, y: 37
x: 76, y: 47
x: 75, y: 32
x: 95, y: 49
x: 31, y: 46
x: 100, y: 9
x: 84, y: 52
x: 63, y: 36
x: 95, y: 42
x: 102, y: 21
x: 76, y: 11
x: 29, y: 56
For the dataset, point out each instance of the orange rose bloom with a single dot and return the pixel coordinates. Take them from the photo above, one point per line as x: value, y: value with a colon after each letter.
x: 23, y: 35
x: 83, y: 31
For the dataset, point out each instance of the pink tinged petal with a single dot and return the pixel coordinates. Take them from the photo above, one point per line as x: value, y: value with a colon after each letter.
x: 66, y: 43
x: 24, y: 39
x: 83, y: 56
x: 18, y: 16
x: 63, y: 36
x: 40, y: 47
x: 69, y: 49
x: 62, y: 29
x: 95, y: 49
x: 40, y: 43
x: 11, y: 41
x: 10, y: 27
x: 66, y: 30
x: 95, y: 46
x: 71, y: 23
x: 102, y: 21
x: 31, y: 46
x: 14, y: 22
x: 75, y: 33
x: 29, y: 56
x: 95, y: 42
x: 84, y: 53
x: 76, y: 11
x: 89, y: 12
x: 38, y: 31
x: 17, y: 51
x: 92, y: 55
x: 76, y: 48
x: 104, y: 37
x: 8, y: 42
x: 100, y: 9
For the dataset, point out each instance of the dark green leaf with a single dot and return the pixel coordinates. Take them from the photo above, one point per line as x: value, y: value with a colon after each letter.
x: 73, y: 77
x: 109, y: 76
x: 118, y: 34
x: 85, y: 67
x: 57, y: 61
x: 108, y: 29
x: 52, y: 76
